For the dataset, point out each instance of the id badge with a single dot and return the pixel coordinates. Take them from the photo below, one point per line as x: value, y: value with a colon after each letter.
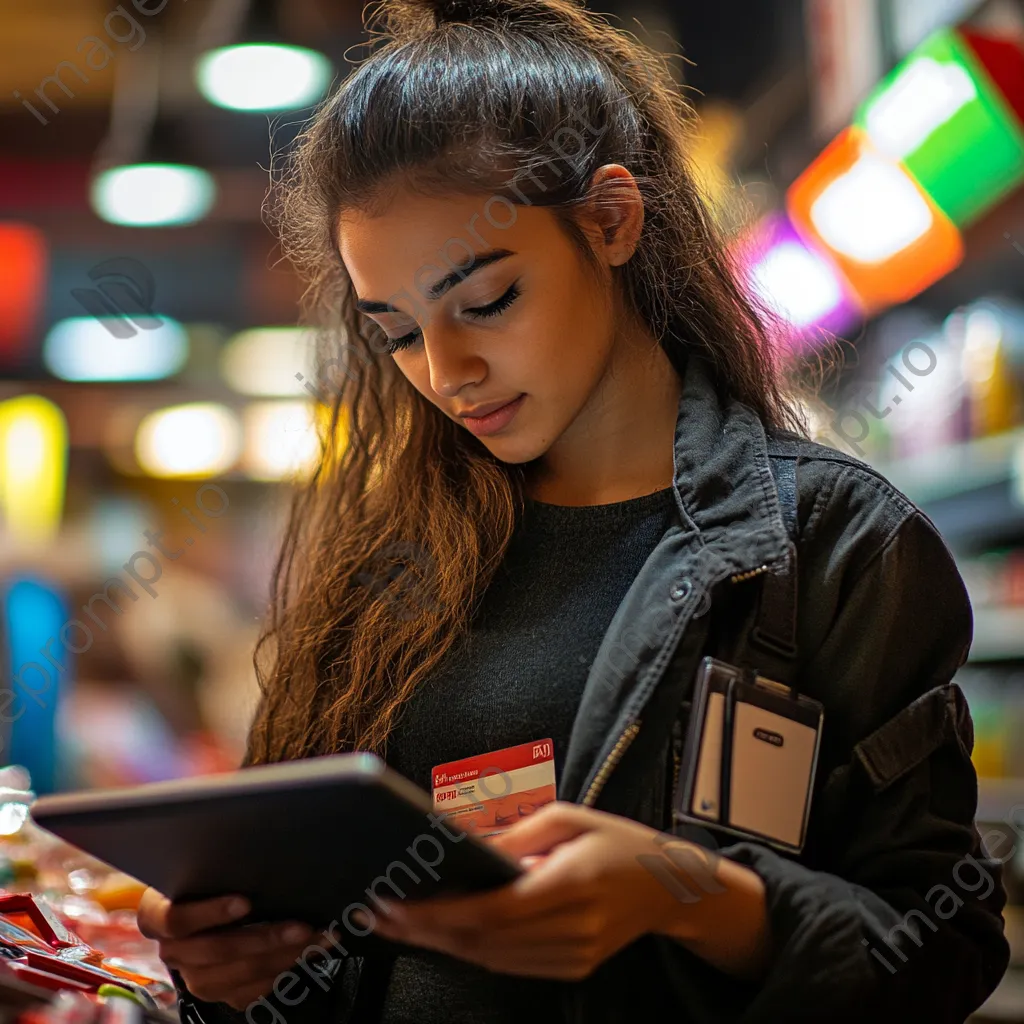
x: 750, y: 757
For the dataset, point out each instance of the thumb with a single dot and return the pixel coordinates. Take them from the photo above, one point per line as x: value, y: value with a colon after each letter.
x: 555, y: 823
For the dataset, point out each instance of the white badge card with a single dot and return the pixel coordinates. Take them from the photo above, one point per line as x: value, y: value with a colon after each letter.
x: 750, y: 757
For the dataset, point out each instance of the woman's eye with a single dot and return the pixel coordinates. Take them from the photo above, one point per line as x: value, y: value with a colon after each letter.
x: 491, y: 309
x: 397, y: 344
x: 499, y: 305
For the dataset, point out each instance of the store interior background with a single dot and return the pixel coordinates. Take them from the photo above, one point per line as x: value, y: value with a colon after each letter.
x: 150, y: 413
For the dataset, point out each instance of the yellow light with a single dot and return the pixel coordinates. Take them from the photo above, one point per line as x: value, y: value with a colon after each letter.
x: 199, y: 439
x: 712, y: 151
x: 264, y: 361
x: 33, y: 468
x: 280, y: 439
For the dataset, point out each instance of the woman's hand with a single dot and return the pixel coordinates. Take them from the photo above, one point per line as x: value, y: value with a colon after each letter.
x: 593, y: 884
x: 233, y: 966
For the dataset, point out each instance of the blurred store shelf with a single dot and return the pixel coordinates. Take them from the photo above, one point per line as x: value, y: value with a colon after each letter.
x: 959, y: 468
x: 973, y: 491
x: 1006, y: 1003
x: 1000, y: 799
x: 998, y: 634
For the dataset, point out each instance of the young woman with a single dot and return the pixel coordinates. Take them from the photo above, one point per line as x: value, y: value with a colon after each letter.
x: 554, y: 492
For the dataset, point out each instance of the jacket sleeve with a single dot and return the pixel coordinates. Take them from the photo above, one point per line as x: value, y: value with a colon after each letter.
x: 894, y: 913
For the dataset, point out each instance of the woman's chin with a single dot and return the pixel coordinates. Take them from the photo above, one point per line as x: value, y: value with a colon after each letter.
x: 514, y: 450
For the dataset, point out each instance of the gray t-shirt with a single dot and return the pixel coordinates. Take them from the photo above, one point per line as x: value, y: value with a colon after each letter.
x: 518, y: 677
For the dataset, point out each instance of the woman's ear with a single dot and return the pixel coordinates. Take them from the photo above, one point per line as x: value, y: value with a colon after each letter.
x: 616, y: 212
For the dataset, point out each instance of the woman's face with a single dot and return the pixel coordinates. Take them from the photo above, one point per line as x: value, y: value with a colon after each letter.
x: 523, y: 329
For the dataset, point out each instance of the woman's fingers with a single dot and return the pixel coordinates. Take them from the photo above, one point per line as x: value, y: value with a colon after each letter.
x: 555, y: 823
x: 225, y: 965
x: 183, y: 919
x: 152, y: 913
x: 558, y: 964
x: 236, y: 944
x: 555, y: 928
x: 216, y: 982
x: 160, y: 918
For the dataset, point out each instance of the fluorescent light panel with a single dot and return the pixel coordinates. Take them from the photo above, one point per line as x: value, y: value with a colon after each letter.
x: 256, y: 76
x: 82, y: 348
x: 153, y: 195
x: 263, y: 361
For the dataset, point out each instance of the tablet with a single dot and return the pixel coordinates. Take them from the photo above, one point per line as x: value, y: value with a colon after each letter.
x: 302, y: 840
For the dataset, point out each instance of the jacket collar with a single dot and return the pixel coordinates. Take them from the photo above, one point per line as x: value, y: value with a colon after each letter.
x: 723, y: 483
x: 730, y: 523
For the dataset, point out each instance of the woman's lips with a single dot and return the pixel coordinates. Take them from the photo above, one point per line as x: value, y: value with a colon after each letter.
x: 493, y: 421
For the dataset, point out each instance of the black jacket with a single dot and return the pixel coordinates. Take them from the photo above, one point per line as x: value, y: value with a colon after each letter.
x: 875, y: 919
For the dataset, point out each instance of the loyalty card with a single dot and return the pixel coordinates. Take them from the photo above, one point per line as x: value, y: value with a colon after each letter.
x: 487, y: 794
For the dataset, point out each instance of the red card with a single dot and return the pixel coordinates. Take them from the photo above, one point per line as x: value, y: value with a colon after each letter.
x: 487, y: 794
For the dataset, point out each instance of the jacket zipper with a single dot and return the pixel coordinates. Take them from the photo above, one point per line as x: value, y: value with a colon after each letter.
x: 750, y: 574
x: 623, y: 742
x: 629, y: 733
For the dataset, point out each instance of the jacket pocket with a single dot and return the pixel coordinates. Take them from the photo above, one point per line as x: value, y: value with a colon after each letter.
x: 914, y: 734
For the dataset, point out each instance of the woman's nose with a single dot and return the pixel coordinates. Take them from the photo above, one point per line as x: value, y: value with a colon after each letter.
x: 452, y: 364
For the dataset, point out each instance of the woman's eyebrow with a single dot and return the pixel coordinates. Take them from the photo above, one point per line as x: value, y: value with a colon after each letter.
x: 435, y: 291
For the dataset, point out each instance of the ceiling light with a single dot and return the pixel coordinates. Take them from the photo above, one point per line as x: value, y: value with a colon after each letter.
x: 281, y: 439
x: 153, y: 195
x: 263, y: 76
x: 199, y: 439
x: 265, y: 361
x: 83, y: 348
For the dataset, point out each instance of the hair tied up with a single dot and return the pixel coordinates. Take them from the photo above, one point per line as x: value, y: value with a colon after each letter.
x: 470, y: 10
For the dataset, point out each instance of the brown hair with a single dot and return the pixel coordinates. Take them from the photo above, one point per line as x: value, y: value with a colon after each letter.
x: 390, y: 546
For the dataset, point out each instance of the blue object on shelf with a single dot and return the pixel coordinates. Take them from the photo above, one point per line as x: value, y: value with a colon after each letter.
x: 34, y: 613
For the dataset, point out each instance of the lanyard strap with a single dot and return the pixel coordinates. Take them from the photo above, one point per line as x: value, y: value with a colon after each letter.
x: 772, y: 648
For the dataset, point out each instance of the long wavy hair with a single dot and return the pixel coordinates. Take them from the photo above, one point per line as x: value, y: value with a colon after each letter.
x: 392, y: 541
